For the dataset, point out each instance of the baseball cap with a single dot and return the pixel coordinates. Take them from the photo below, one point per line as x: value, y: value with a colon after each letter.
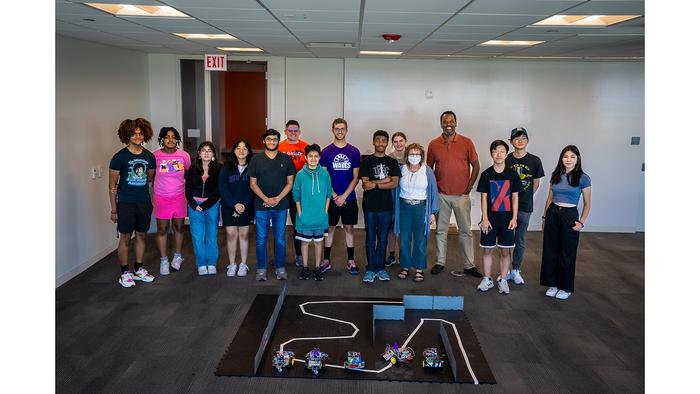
x: 518, y: 131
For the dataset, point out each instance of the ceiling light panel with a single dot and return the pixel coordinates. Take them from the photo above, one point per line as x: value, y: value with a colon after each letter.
x: 511, y: 43
x: 139, y: 10
x: 584, y: 20
x: 204, y: 36
x: 235, y: 49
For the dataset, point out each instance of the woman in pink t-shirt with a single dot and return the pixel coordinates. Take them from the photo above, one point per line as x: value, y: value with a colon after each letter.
x: 169, y: 201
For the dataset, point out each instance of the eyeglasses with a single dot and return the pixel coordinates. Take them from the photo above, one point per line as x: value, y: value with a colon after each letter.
x: 339, y: 129
x: 271, y: 139
x: 519, y: 139
x: 242, y: 148
x: 293, y: 130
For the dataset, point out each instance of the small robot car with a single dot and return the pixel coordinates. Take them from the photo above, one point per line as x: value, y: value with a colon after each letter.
x: 282, y: 359
x: 432, y: 359
x: 354, y: 361
x: 396, y: 354
x: 315, y: 360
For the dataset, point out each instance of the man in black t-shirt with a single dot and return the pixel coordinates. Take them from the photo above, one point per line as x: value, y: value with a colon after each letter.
x: 130, y: 171
x: 529, y: 170
x: 380, y: 174
x: 271, y: 179
x: 499, y: 187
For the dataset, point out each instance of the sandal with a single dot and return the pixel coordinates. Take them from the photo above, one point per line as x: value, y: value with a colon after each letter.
x: 403, y: 274
x: 418, y: 277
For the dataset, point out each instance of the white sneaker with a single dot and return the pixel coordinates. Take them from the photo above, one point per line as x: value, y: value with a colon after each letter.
x: 143, y: 275
x: 126, y: 280
x: 202, y: 270
x: 243, y: 269
x: 486, y: 283
x: 231, y: 269
x: 551, y: 292
x: 503, y: 287
x: 516, y: 277
x: 177, y: 262
x: 509, y: 275
x: 211, y: 270
x: 164, y: 267
x: 562, y: 295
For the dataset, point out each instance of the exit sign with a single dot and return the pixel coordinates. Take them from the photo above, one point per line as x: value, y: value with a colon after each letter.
x: 215, y: 62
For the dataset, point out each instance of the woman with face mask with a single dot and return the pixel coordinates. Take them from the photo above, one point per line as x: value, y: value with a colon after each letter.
x: 416, y: 202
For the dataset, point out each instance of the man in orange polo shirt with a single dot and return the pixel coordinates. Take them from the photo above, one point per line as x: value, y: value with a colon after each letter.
x: 294, y: 147
x: 454, y: 159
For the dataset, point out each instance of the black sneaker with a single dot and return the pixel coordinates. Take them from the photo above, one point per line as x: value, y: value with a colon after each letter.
x: 304, y: 274
x: 298, y: 261
x: 473, y: 271
x: 318, y: 274
x: 391, y: 261
x: 437, y: 268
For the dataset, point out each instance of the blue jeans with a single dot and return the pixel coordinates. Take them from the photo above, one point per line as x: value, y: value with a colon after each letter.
x: 278, y: 217
x: 204, y: 227
x: 377, y: 228
x: 520, y: 232
x: 412, y: 227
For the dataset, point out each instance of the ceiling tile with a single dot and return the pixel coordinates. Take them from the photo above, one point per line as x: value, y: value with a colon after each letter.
x: 426, y: 18
x: 231, y: 14
x: 449, y: 6
x: 519, y: 7
x: 495, y: 19
x: 251, y: 4
x: 317, y: 16
x: 608, y: 8
x: 318, y: 5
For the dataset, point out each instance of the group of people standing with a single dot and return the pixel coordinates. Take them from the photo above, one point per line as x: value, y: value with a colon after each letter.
x: 405, y: 192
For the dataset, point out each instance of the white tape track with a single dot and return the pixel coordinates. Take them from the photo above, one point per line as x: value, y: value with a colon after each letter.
x: 356, y: 330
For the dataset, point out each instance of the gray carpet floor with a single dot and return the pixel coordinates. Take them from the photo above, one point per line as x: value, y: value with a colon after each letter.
x: 168, y: 336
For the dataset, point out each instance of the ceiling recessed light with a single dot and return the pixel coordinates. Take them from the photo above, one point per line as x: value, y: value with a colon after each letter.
x: 228, y: 49
x: 198, y: 36
x: 511, y: 43
x: 139, y: 10
x: 584, y: 20
x: 330, y: 45
x: 380, y: 53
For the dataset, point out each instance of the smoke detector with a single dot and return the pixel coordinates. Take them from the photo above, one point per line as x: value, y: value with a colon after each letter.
x: 391, y: 37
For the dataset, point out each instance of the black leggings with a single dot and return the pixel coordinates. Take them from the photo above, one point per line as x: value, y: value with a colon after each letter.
x: 560, y: 243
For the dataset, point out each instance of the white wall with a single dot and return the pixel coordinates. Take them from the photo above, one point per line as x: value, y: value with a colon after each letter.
x: 594, y: 105
x: 97, y: 87
x: 314, y: 96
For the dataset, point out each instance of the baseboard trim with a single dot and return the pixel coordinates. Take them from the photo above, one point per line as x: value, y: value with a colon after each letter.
x: 60, y: 280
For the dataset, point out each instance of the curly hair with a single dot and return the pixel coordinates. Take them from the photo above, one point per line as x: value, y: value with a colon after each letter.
x: 127, y: 127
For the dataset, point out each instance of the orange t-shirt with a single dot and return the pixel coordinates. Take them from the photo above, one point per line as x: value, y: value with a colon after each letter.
x: 295, y: 151
x: 450, y: 161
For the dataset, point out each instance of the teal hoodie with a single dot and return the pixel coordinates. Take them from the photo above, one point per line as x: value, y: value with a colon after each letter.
x: 311, y: 189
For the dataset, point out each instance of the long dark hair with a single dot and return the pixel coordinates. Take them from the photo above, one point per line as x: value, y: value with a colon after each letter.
x: 164, y: 132
x: 574, y: 177
x: 214, y: 165
x: 233, y: 162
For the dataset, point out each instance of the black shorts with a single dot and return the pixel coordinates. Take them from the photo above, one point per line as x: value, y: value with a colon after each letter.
x: 246, y: 219
x: 347, y: 212
x: 499, y: 235
x: 133, y: 216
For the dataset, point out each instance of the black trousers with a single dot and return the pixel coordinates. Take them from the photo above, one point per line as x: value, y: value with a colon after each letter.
x: 559, y: 248
x: 293, y: 217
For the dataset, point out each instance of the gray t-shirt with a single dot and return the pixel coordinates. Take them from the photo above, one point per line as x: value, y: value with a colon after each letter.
x: 271, y: 176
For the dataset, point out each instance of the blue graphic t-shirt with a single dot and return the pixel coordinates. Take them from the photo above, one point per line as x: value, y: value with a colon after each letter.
x: 340, y: 162
x: 133, y: 175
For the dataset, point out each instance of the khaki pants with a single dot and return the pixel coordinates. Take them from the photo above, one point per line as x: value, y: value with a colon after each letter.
x: 461, y: 205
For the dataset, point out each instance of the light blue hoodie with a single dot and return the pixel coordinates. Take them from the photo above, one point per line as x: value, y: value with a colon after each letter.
x: 312, y: 188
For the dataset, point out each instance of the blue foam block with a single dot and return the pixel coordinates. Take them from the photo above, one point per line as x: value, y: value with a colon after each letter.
x: 388, y: 312
x: 444, y: 303
x: 418, y: 302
